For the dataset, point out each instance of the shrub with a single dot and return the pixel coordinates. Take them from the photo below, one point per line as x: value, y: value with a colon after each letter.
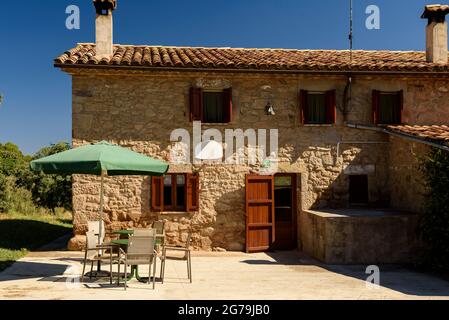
x: 52, y: 191
x: 434, y: 225
x: 22, y: 189
x: 6, y: 187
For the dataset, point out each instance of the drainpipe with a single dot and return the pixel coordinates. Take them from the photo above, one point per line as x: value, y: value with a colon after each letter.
x: 398, y: 134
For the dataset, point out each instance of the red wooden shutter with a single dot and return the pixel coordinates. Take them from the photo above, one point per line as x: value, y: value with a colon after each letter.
x: 193, y: 193
x: 157, y: 194
x: 303, y: 94
x: 375, y: 102
x: 196, y: 104
x: 331, y: 107
x: 401, y: 105
x: 227, y: 105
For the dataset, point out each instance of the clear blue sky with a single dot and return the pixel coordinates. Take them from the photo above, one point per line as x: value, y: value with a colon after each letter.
x: 37, y: 106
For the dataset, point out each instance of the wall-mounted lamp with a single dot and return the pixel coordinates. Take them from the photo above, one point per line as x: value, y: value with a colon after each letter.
x: 269, y: 110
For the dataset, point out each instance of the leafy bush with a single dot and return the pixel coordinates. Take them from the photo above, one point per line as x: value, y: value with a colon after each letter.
x: 52, y: 191
x: 6, y: 187
x: 22, y: 190
x: 435, y: 222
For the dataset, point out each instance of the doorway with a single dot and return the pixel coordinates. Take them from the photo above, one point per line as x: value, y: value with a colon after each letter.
x: 271, y: 212
x: 285, y: 212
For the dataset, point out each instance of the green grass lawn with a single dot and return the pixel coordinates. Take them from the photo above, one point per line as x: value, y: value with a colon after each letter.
x: 20, y: 233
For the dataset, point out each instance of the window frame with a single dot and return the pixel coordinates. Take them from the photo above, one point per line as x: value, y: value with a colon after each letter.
x: 376, y: 102
x: 174, y: 193
x: 191, y: 193
x: 197, y: 105
x: 330, y: 107
x: 222, y: 106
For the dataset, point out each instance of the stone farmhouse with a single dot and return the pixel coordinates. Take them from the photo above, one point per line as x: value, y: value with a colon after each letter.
x: 352, y: 127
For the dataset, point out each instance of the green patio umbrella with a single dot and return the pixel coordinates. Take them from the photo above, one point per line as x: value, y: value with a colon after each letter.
x: 101, y: 159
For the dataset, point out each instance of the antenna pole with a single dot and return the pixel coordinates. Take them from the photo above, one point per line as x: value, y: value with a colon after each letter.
x: 350, y: 29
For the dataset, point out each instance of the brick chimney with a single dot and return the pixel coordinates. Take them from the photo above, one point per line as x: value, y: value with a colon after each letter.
x: 436, y: 33
x: 104, y: 27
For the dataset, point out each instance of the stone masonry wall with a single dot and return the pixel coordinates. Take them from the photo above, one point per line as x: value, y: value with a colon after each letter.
x: 408, y: 189
x: 140, y: 110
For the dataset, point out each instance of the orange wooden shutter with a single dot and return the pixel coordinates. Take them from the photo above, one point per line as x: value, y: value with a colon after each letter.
x: 157, y: 200
x: 196, y: 104
x: 375, y: 102
x: 303, y: 106
x: 193, y: 193
x: 227, y: 105
x: 401, y: 105
x: 331, y: 107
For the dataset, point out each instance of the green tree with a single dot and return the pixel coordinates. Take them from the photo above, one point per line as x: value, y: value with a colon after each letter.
x: 12, y: 159
x: 19, y: 185
x: 52, y: 191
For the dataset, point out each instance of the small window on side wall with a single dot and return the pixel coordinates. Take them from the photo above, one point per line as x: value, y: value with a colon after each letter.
x: 358, y: 190
x: 388, y: 107
x: 318, y: 107
x: 175, y: 192
x: 211, y: 106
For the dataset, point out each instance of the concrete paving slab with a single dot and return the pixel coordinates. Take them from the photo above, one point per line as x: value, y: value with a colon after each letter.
x: 228, y: 276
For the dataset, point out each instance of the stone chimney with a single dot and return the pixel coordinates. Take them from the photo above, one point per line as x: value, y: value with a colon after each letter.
x: 104, y: 28
x: 436, y: 33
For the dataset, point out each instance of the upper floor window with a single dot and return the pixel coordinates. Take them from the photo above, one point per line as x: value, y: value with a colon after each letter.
x: 318, y: 107
x: 211, y: 106
x: 175, y: 192
x: 387, y: 107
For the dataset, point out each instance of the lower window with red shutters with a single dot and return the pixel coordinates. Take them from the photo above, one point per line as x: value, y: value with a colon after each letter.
x: 175, y: 192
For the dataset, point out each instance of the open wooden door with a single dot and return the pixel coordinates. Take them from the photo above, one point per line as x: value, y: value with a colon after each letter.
x: 260, y: 220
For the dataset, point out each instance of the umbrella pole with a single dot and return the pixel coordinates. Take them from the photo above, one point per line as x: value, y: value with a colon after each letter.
x: 100, y: 235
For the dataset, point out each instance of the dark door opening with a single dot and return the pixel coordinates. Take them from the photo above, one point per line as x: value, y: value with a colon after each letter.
x: 358, y: 190
x: 285, y: 212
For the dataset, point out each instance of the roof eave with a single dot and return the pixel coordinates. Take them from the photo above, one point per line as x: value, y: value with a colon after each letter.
x: 229, y: 70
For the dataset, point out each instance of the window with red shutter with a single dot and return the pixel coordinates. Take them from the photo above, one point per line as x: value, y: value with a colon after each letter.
x: 211, y: 106
x: 193, y: 192
x: 318, y: 107
x: 303, y: 105
x: 375, y: 104
x: 176, y: 192
x: 227, y: 105
x: 331, y: 107
x: 388, y: 107
x: 157, y: 202
x: 196, y: 104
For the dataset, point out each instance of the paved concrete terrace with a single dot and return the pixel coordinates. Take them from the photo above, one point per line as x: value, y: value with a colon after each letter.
x: 228, y: 276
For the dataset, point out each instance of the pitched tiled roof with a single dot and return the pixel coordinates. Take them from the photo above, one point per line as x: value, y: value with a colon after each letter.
x: 438, y: 134
x: 251, y: 59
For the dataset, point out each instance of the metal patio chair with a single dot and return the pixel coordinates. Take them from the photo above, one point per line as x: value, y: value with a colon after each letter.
x: 140, y: 252
x: 187, y: 257
x: 94, y: 226
x: 140, y: 232
x: 94, y: 253
x: 160, y: 231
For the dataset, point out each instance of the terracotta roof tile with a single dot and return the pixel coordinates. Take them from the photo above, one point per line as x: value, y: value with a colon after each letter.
x: 252, y: 59
x: 436, y: 133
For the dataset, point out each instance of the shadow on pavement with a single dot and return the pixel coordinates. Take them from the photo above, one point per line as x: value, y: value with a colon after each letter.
x: 395, y: 277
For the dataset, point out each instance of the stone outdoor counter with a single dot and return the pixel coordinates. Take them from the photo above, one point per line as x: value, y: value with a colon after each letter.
x: 353, y: 236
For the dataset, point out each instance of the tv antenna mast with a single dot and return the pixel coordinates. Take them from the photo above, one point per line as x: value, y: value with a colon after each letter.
x: 351, y: 36
x: 348, y: 89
